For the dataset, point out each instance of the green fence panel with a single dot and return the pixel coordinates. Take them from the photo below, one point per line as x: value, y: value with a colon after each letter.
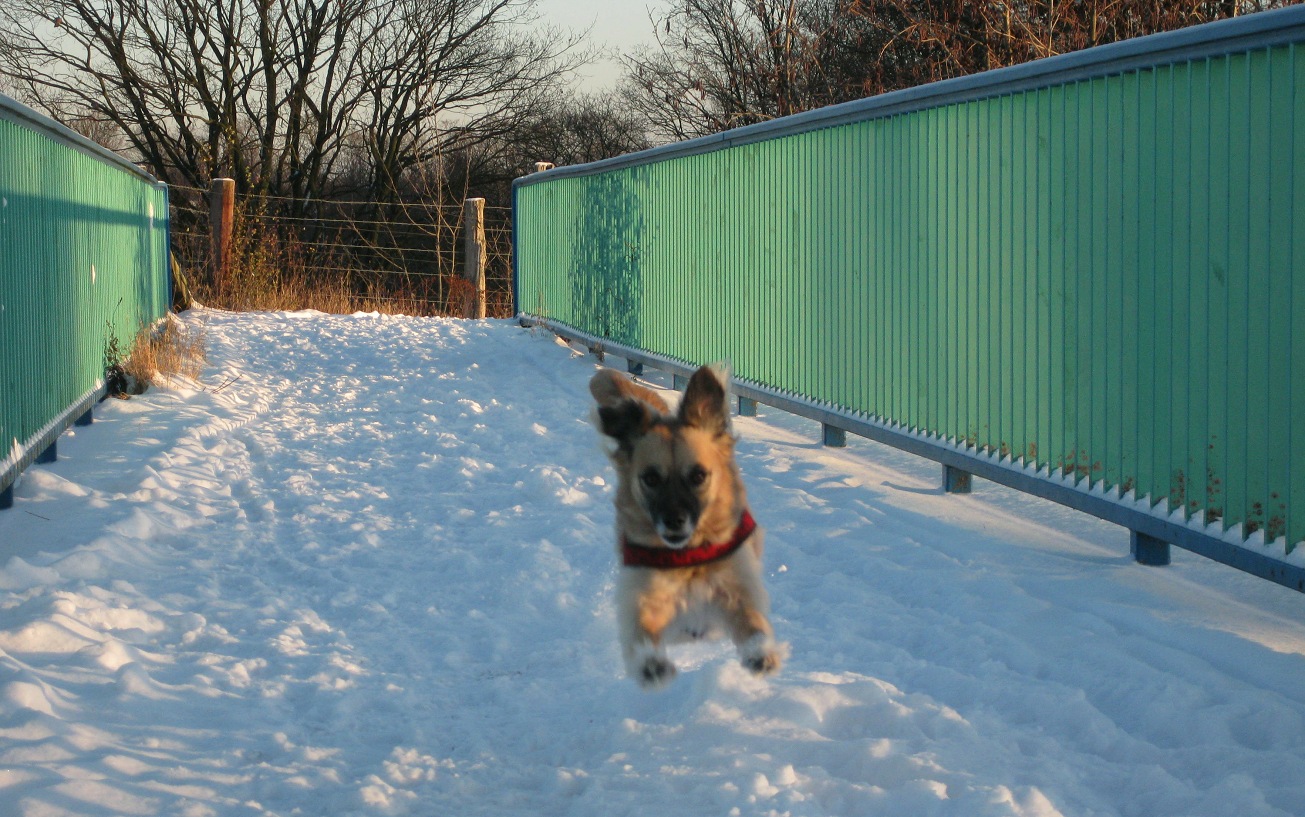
x: 83, y: 259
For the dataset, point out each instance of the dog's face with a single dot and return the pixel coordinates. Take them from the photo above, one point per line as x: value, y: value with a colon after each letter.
x: 677, y: 471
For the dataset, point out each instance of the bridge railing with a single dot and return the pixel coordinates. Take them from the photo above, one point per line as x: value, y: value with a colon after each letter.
x: 83, y: 260
x: 1083, y: 276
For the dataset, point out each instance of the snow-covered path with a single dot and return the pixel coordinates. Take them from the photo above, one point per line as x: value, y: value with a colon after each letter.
x: 367, y: 569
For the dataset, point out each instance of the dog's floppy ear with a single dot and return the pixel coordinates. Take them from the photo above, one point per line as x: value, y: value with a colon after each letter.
x: 624, y: 421
x: 610, y: 388
x: 705, y: 403
x: 625, y: 409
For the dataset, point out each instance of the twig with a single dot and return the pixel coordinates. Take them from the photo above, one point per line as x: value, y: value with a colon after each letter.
x: 231, y: 380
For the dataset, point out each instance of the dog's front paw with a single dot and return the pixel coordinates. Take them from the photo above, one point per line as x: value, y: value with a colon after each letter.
x: 656, y: 672
x: 766, y: 663
x: 762, y: 656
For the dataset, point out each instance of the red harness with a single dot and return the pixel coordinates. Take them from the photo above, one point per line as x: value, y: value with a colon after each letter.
x: 660, y: 557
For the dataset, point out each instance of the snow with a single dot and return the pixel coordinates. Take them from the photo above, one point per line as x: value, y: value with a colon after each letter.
x: 366, y: 568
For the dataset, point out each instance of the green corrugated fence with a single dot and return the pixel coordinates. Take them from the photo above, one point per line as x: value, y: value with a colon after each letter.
x: 1088, y: 270
x: 83, y: 258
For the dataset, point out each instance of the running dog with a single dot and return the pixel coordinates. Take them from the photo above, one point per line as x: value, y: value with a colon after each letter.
x: 690, y: 550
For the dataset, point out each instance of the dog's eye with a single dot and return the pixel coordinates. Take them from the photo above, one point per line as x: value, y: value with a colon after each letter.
x: 697, y: 475
x: 650, y: 478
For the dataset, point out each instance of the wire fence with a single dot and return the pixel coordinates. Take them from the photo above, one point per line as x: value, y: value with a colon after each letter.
x: 341, y: 255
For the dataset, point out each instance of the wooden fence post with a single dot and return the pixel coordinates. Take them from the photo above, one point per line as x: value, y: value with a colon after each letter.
x: 473, y: 212
x: 221, y: 217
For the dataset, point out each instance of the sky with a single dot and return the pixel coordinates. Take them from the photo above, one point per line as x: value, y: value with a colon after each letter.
x: 617, y: 25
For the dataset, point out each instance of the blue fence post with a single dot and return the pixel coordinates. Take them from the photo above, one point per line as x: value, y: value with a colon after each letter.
x: 50, y: 454
x: 1148, y: 550
x: 679, y: 382
x: 633, y: 368
x: 833, y: 436
x: 747, y: 408
x: 956, y: 481
x: 86, y: 419
x: 7, y: 498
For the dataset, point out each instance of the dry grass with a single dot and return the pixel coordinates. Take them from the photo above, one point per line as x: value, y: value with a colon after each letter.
x: 284, y: 293
x: 168, y: 351
x: 276, y: 294
x: 273, y: 271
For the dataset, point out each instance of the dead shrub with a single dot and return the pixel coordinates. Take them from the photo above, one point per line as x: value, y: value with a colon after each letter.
x: 169, y: 350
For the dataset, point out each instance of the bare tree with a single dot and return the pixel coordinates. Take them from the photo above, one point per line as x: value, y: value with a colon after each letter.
x: 940, y: 39
x: 720, y: 64
x: 724, y: 63
x: 576, y: 129
x: 285, y: 96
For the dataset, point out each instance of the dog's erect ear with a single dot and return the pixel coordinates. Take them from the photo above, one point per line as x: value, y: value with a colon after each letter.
x: 624, y: 421
x: 705, y: 403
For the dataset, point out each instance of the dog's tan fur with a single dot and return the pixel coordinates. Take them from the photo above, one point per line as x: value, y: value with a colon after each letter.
x: 690, y: 457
